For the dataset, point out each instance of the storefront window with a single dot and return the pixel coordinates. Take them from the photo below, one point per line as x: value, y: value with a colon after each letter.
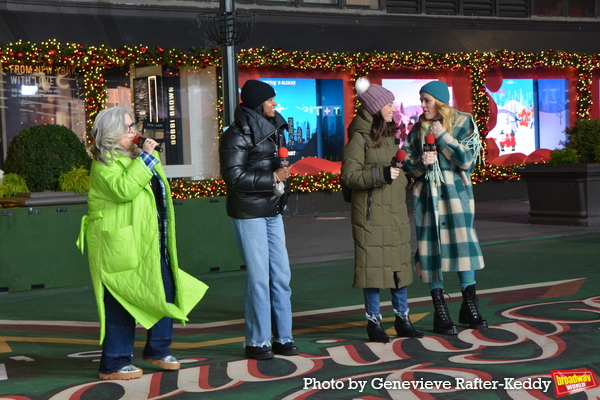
x: 532, y: 114
x: 37, y: 95
x: 407, y: 102
x: 553, y: 104
x: 118, y: 87
x: 177, y: 108
x: 314, y: 111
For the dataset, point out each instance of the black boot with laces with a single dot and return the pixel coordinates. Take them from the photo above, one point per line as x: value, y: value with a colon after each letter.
x: 442, y: 323
x: 469, y: 311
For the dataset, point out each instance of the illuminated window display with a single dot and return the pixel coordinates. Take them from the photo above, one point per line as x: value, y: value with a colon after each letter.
x: 176, y: 107
x: 41, y: 94
x: 515, y: 122
x: 553, y: 105
x: 532, y: 114
x: 407, y: 102
x: 315, y: 114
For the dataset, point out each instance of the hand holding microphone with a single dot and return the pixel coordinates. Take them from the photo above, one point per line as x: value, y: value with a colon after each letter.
x: 398, y: 160
x: 390, y: 173
x: 397, y: 163
x: 283, y: 172
x: 282, y: 153
x: 429, y: 146
x: 139, y: 140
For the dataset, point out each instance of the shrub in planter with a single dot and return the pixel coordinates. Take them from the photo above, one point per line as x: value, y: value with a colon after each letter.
x: 77, y: 180
x: 564, y: 156
x: 568, y: 192
x: 42, y: 153
x: 11, y: 185
x: 582, y: 144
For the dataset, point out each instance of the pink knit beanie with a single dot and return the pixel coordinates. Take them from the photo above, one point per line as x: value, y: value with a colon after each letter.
x: 372, y: 96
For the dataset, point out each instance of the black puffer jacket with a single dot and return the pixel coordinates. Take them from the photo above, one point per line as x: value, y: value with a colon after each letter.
x: 248, y: 156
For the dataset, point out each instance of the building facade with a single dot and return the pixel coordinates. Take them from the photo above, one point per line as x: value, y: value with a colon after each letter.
x: 179, y: 105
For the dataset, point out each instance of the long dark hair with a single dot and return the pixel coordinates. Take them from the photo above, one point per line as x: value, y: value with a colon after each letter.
x: 381, y: 129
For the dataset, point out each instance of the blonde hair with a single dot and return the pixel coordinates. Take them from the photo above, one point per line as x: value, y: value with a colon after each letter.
x: 109, y: 127
x: 449, y: 115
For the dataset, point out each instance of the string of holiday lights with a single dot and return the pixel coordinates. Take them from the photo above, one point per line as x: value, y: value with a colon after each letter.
x: 183, y: 189
x: 93, y: 61
x: 584, y: 92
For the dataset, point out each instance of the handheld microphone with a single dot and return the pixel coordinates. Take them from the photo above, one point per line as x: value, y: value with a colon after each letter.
x: 283, y: 157
x: 429, y: 146
x: 139, y: 141
x: 398, y: 160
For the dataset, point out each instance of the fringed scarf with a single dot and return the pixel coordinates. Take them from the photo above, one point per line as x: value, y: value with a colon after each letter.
x: 473, y: 142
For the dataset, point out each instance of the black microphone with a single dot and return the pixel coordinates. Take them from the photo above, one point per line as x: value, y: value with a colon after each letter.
x: 283, y: 157
x: 429, y: 146
x: 398, y: 160
x: 139, y: 141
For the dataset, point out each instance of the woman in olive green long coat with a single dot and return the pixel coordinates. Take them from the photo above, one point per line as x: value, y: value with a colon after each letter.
x: 380, y: 226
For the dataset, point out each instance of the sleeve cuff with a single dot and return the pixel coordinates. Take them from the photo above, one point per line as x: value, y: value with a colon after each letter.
x: 387, y: 175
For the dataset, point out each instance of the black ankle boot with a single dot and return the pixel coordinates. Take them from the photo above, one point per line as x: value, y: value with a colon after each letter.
x: 376, y: 332
x: 404, y: 328
x: 469, y: 313
x: 442, y: 323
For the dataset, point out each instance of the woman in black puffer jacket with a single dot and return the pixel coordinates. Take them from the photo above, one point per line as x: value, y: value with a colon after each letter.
x: 257, y: 192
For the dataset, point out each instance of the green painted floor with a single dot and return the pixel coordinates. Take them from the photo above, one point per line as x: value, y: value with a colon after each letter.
x: 540, y: 297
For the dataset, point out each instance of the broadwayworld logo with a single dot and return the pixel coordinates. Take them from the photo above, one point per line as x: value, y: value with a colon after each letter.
x: 569, y: 382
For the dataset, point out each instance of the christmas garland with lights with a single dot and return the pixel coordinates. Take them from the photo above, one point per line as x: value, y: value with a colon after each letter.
x: 93, y: 61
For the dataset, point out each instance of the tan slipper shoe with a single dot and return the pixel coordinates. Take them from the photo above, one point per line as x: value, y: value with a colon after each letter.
x: 167, y: 362
x: 124, y: 373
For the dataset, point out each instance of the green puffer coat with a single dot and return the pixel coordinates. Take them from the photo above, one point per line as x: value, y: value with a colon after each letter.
x: 380, y: 226
x: 121, y: 231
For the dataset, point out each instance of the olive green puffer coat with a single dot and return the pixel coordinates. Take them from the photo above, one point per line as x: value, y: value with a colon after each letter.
x: 380, y: 226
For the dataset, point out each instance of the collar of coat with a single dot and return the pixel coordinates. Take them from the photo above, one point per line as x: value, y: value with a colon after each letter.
x: 361, y: 123
x: 252, y: 123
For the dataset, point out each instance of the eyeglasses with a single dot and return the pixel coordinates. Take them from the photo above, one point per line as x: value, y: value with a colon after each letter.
x: 132, y: 125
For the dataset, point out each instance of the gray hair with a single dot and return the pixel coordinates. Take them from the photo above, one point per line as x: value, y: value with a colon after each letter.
x: 109, y: 127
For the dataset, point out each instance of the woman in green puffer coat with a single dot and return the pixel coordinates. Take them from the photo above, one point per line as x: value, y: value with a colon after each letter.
x: 380, y: 226
x: 130, y: 235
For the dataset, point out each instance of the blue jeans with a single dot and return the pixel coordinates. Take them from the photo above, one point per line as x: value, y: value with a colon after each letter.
x: 117, y: 347
x: 267, y: 304
x: 372, y: 302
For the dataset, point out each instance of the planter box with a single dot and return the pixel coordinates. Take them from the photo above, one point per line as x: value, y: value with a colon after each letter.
x: 38, y: 248
x: 563, y: 194
x: 38, y: 199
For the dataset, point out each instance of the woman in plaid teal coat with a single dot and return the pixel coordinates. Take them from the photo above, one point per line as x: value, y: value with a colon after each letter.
x: 444, y: 208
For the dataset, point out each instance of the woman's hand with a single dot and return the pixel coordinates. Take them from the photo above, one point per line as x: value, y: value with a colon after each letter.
x: 149, y: 145
x: 283, y: 173
x: 436, y: 129
x: 394, y: 172
x: 429, y: 157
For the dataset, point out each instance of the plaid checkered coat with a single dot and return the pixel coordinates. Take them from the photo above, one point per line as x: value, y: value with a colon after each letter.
x: 444, y: 213
x: 380, y: 225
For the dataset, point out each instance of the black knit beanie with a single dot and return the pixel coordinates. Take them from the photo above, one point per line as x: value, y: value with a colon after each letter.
x: 254, y: 93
